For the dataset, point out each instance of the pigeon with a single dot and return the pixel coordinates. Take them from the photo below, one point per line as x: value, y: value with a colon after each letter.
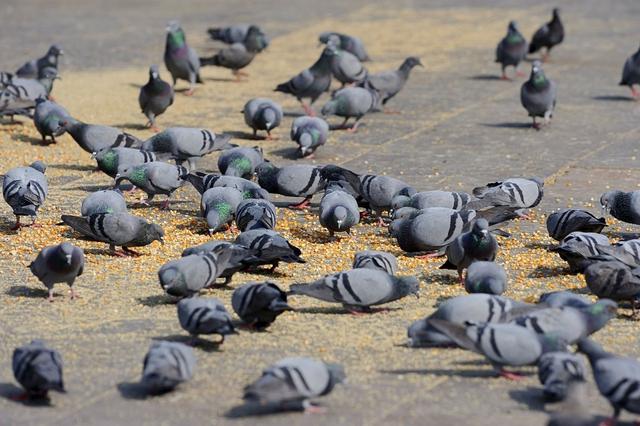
x: 25, y: 190
x: 94, y: 137
x: 186, y: 143
x: 47, y: 117
x: 337, y: 177
x: 201, y: 182
x: 389, y: 83
x: 627, y: 252
x: 558, y: 299
x: 309, y: 133
x: 234, y: 262
x: 259, y: 304
x: 431, y: 230
x: 61, y: 263
x: 374, y: 259
x: 155, y: 97
x: 166, y: 365
x: 106, y: 201
x: 240, y: 54
x: 358, y: 289
x: 556, y: 371
x: 117, y: 229
x: 204, y: 316
x: 153, y: 178
x: 613, y: 280
x: 631, y: 73
x: 523, y: 193
x: 477, y: 244
x: 38, y: 369
x: 290, y: 383
x: 296, y: 180
x: 180, y: 59
x: 218, y: 207
x: 485, y: 277
x: 20, y: 96
x: 351, y: 102
x: 577, y: 247
x: 113, y: 160
x: 548, y: 35
x: 270, y: 248
x: 235, y: 34
x: 338, y: 212
x: 379, y: 191
x: 573, y: 411
x: 538, y: 95
x: 345, y: 66
x: 563, y: 222
x: 255, y: 213
x: 511, y: 50
x: 624, y: 206
x: 262, y: 114
x: 460, y: 310
x: 617, y: 377
x: 348, y: 43
x: 310, y: 83
x: 32, y: 69
x: 240, y: 161
x: 428, y: 199
x: 186, y: 276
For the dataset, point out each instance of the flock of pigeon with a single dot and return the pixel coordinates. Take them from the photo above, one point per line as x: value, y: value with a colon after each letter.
x: 458, y: 225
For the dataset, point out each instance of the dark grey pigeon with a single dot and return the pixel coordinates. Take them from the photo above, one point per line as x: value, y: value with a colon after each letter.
x: 338, y: 212
x: 117, y: 229
x: 240, y: 161
x: 19, y: 97
x: 47, y: 117
x: 94, y: 137
x: 218, y: 206
x: 269, y: 248
x: 349, y: 43
x: 613, y: 280
x: 390, y: 83
x: 627, y: 252
x: 577, y: 247
x: 166, y: 365
x: 290, y: 383
x: 255, y: 213
x: 358, y: 289
x: 558, y: 299
x: 112, y: 160
x: 511, y: 50
x: 340, y: 178
x: 345, y: 66
x: 624, y: 206
x: 524, y: 193
x: 556, y: 371
x: 61, y: 263
x: 351, y: 102
x: 32, y: 69
x: 236, y: 33
x: 548, y: 35
x: 185, y: 277
x: 485, y: 277
x: 25, y: 190
x: 262, y: 114
x: 259, y: 304
x: 105, y: 201
x: 227, y: 264
x: 198, y: 315
x: 631, y: 73
x: 477, y: 244
x: 202, y: 181
x: 563, y: 222
x: 38, y: 369
x: 538, y: 95
x: 428, y: 199
x: 617, y: 377
x: 154, y: 178
x: 380, y: 191
x: 309, y: 133
x: 180, y: 59
x: 373, y: 259
x: 155, y: 97
x: 296, y: 180
x: 240, y: 54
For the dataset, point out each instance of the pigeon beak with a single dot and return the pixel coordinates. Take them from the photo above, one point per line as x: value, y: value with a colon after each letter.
x: 339, y: 222
x: 417, y: 295
x: 161, y: 240
x: 68, y: 256
x: 57, y: 77
x: 420, y: 64
x: 211, y: 231
x: 603, y: 210
x: 484, y: 232
x: 118, y: 176
x: 268, y: 124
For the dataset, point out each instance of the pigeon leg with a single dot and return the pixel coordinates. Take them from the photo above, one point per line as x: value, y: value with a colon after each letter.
x: 608, y: 422
x: 545, y: 56
x: 242, y: 73
x: 381, y: 221
x: 237, y: 74
x: 191, y: 89
x: 634, y: 92
x: 269, y: 137
x: 460, y: 276
x: 142, y: 201
x: 354, y: 128
x: 129, y: 252
x: 33, y: 223
x: 165, y: 205
x: 504, y: 76
x: 115, y: 252
x: 430, y: 255
x: 547, y: 118
x: 520, y: 73
x: 308, y: 110
x: 392, y: 111
x: 314, y: 409
x: 535, y: 125
x: 50, y: 298
x: 344, y: 123
x: 510, y: 375
x: 74, y: 295
x: 301, y: 205
x: 17, y: 225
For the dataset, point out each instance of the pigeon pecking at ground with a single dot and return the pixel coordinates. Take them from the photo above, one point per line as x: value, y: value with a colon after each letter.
x: 255, y: 213
x: 198, y: 315
x: 373, y: 259
x: 485, y: 277
x: 113, y: 160
x: 239, y: 54
x: 259, y: 304
x: 269, y: 248
x: 154, y: 178
x: 296, y: 180
x: 240, y: 161
x: 180, y: 59
x: 624, y: 206
x: 95, y: 137
x: 556, y: 372
x: 38, y: 369
x: 61, y: 263
x: 25, y: 190
x: 104, y: 201
x: 202, y: 181
x: 47, y: 117
x: 563, y: 222
x: 218, y: 206
x: 309, y: 133
x: 166, y: 365
x: 186, y: 276
x: 262, y: 114
x: 155, y: 97
x: 338, y: 212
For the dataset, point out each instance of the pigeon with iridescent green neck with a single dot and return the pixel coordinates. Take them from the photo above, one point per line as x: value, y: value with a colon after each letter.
x: 218, y: 207
x: 95, y: 137
x: 32, y: 69
x: 309, y: 133
x: 110, y: 160
x: 47, y: 117
x: 153, y: 178
x: 203, y: 181
x: 511, y: 50
x: 180, y: 59
x: 240, y: 161
x: 538, y: 95
x: 155, y: 97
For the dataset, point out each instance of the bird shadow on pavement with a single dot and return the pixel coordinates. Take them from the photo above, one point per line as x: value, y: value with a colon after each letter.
x: 508, y: 125
x: 531, y: 397
x: 253, y: 410
x: 197, y: 342
x: 294, y: 114
x: 338, y: 310
x: 547, y: 272
x: 239, y: 134
x: 25, y: 291
x: 267, y: 272
x: 89, y: 188
x: 624, y: 236
x: 19, y: 137
x: 485, y: 77
x: 289, y: 153
x: 613, y: 98
x: 135, y: 85
x: 157, y: 300
x: 131, y: 126
x: 484, y: 373
x: 537, y: 245
x: 76, y: 167
x: 223, y: 79
x: 133, y: 390
x: 13, y: 393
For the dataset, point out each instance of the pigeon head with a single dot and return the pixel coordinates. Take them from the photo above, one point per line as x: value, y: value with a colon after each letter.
x: 599, y: 313
x: 137, y: 175
x: 154, y: 72
x: 556, y: 13
x: 266, y: 172
x: 410, y: 63
x: 171, y: 280
x: 305, y: 140
x: 55, y: 50
x: 267, y: 116
x: 400, y: 201
x: 337, y: 373
x: 407, y: 285
x: 330, y: 107
x: 213, y: 220
x: 152, y: 232
x: 323, y: 38
x: 62, y: 257
x: 175, y: 35
x: 480, y: 228
x: 39, y: 166
x: 538, y: 78
x: 340, y: 215
x: 255, y: 40
x: 405, y: 213
x: 513, y: 26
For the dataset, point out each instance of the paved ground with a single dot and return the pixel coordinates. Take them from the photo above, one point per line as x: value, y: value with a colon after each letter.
x: 459, y: 127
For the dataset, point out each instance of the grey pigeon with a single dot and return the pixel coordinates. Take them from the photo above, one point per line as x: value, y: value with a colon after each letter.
x: 186, y: 276
x: 38, y: 369
x: 428, y: 199
x: 379, y: 191
x: 186, y: 143
x: 154, y: 178
x: 117, y: 229
x: 485, y: 277
x: 349, y: 43
x: 155, y: 96
x: 511, y: 50
x: 477, y: 244
x: 574, y: 410
x: 374, y: 259
x: 19, y: 97
x: 25, y: 190
x: 202, y: 181
x: 166, y: 365
x: 309, y: 133
x: 47, y: 117
x: 627, y: 252
x: 255, y: 213
x: 269, y: 247
x: 558, y: 299
x: 548, y: 35
x: 338, y: 212
x: 227, y: 264
x: 617, y: 377
x: 104, y: 201
x: 5, y: 78
x: 340, y: 178
x: 32, y: 69
x: 290, y: 383
x: 262, y: 114
x: 631, y: 73
x: 577, y: 247
x: 565, y: 221
x: 524, y: 193
x: 390, y: 83
x: 112, y: 160
x: 218, y: 206
x: 624, y: 206
x: 613, y: 280
x: 234, y: 33
x: 345, y: 66
x: 95, y: 137
x: 180, y: 59
x: 538, y: 95
x: 240, y: 161
x: 358, y: 289
x: 556, y: 371
x: 61, y: 263
x: 259, y: 304
x: 296, y: 180
x: 351, y: 102
x: 204, y: 316
x: 239, y: 54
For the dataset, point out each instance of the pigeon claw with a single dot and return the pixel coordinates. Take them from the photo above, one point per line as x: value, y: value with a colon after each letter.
x: 510, y: 375
x: 315, y: 409
x: 301, y: 205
